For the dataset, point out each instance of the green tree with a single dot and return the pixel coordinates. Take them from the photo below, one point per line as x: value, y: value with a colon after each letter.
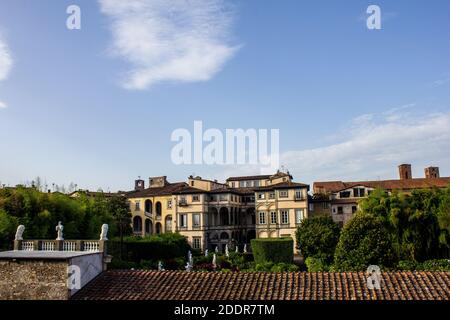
x: 8, y: 225
x: 120, y: 210
x: 364, y: 241
x: 317, y: 237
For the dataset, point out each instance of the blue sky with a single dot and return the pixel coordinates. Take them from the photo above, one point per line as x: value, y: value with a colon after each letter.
x: 97, y: 106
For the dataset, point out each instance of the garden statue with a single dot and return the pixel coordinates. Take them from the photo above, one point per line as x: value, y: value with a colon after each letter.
x: 206, y: 252
x: 227, y: 253
x: 245, y: 248
x: 160, y: 266
x: 59, y: 228
x: 217, y: 249
x: 190, y: 256
x: 214, y: 262
x: 104, y: 234
x: 237, y: 249
x: 19, y: 232
x: 188, y: 266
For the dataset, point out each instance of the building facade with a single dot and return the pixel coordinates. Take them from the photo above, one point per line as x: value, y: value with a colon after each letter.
x: 213, y: 214
x: 340, y: 199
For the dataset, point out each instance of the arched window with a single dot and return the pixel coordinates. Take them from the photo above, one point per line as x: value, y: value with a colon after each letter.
x: 137, y: 224
x: 224, y: 236
x: 224, y: 218
x: 158, y: 209
x: 148, y: 226
x: 168, y: 223
x: 148, y: 206
x: 158, y: 228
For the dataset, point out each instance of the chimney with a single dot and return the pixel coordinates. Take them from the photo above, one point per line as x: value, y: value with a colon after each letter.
x: 139, y: 184
x: 432, y: 173
x: 157, y: 182
x: 404, y: 171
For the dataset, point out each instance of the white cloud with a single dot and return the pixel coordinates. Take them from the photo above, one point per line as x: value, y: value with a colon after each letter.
x: 440, y: 82
x: 6, y: 61
x: 372, y: 147
x: 375, y: 148
x: 3, y: 105
x: 177, y: 40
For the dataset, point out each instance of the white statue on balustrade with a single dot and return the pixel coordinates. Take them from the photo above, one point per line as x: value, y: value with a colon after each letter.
x: 104, y: 234
x: 59, y: 228
x: 19, y: 232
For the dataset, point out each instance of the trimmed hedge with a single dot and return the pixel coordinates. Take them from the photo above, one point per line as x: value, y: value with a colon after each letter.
x: 154, y: 248
x: 274, y: 250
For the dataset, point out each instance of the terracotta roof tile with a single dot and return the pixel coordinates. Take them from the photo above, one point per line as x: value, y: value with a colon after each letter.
x: 179, y: 285
x: 407, y: 184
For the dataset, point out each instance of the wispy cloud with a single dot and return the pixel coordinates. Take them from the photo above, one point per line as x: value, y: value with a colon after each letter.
x: 179, y: 40
x: 372, y: 147
x: 440, y: 82
x: 6, y: 61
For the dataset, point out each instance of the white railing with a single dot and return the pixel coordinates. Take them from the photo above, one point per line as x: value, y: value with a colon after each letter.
x: 27, y: 245
x: 48, y: 246
x: 69, y: 246
x: 91, y: 246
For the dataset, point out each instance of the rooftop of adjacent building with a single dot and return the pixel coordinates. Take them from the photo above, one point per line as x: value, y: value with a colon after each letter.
x: 181, y: 285
x: 406, y: 181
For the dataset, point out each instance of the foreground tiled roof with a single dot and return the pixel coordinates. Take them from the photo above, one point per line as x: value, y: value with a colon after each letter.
x: 179, y: 285
x: 407, y: 184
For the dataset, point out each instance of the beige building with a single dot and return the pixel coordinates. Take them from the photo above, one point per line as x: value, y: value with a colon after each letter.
x: 340, y: 199
x: 212, y: 214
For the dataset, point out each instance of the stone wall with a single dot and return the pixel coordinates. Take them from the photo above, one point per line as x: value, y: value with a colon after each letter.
x: 33, y: 280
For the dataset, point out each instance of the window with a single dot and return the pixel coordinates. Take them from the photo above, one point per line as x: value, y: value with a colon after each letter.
x: 195, y: 198
x: 256, y: 183
x: 299, y: 215
x: 340, y: 210
x: 261, y: 195
x: 242, y: 184
x: 196, y: 220
x: 326, y: 205
x: 212, y: 198
x: 311, y: 207
x: 232, y: 184
x: 273, y: 217
x: 354, y: 209
x: 262, y: 218
x: 196, y: 242
x: 137, y: 206
x: 169, y: 204
x: 283, y: 194
x: 272, y: 195
x: 183, y: 220
x: 223, y: 197
x: 359, y: 192
x: 248, y: 184
x: 298, y: 194
x: 192, y: 183
x: 284, y: 216
x: 344, y: 194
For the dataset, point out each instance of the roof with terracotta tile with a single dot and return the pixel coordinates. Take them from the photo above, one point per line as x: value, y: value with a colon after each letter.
x: 407, y: 184
x: 180, y: 285
x: 283, y: 185
x: 168, y: 189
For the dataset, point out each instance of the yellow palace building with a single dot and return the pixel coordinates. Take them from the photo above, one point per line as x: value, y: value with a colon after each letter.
x: 213, y: 214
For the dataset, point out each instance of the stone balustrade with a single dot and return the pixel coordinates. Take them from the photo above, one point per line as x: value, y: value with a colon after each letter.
x: 61, y: 245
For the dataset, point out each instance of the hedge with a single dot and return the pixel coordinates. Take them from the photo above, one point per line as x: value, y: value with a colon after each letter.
x: 154, y: 248
x: 274, y: 250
